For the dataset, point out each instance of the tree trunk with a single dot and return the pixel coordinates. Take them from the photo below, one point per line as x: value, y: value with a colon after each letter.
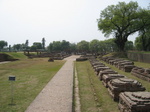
x: 120, y: 42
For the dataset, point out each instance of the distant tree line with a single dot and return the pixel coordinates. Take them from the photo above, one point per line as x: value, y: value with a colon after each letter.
x: 23, y: 47
x: 94, y: 46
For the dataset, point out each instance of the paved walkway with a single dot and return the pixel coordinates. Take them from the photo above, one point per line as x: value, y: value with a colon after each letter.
x: 57, y: 94
x: 3, y: 62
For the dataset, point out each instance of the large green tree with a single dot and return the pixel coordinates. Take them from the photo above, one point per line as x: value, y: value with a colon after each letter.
x: 121, y: 20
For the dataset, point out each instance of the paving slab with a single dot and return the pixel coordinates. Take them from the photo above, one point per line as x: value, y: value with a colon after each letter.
x: 57, y: 94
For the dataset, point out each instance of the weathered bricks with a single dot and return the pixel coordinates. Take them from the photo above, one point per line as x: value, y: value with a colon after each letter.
x: 107, y: 77
x: 116, y: 86
x: 134, y: 102
x: 105, y: 72
x: 143, y: 73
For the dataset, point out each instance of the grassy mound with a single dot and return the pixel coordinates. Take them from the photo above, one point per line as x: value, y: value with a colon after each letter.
x: 11, y: 56
x: 117, y: 54
x: 17, y: 55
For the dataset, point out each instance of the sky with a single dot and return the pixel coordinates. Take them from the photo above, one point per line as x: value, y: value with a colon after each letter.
x: 54, y: 20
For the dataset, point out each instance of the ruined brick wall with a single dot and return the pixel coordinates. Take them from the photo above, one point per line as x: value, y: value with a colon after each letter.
x: 139, y: 57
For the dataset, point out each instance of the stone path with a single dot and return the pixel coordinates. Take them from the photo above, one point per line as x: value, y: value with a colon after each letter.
x: 5, y: 62
x: 57, y: 94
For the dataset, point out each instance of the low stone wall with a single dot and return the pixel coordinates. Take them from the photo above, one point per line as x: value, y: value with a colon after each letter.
x: 139, y: 57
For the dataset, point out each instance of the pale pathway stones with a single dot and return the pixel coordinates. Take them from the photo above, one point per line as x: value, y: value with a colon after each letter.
x: 57, y: 94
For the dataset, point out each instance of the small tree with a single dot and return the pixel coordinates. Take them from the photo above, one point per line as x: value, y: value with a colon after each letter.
x: 17, y: 47
x: 26, y: 45
x: 35, y: 46
x: 2, y: 44
x: 43, y: 43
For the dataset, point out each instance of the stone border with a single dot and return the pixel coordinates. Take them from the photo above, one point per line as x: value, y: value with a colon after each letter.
x: 76, y: 91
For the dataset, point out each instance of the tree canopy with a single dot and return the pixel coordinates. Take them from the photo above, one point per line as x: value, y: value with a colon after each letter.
x: 83, y: 46
x: 122, y: 20
x: 2, y: 44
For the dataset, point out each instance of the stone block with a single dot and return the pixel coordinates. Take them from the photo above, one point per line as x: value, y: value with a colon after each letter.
x: 128, y: 68
x: 107, y: 71
x: 142, y: 73
x: 99, y: 69
x: 134, y: 102
x: 116, y: 86
x: 107, y: 77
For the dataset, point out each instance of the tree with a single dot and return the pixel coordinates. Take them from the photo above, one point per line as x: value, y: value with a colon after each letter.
x: 65, y: 45
x: 56, y: 46
x: 9, y: 48
x: 138, y: 43
x: 36, y: 46
x: 83, y: 46
x: 17, y: 47
x: 110, y: 45
x: 59, y: 46
x: 26, y: 45
x: 94, y: 46
x: 129, y: 45
x: 50, y: 47
x: 121, y: 20
x: 73, y: 47
x: 43, y: 43
x: 2, y: 44
x: 144, y: 33
x: 142, y: 43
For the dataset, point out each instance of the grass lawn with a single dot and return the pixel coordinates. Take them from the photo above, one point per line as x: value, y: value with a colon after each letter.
x: 31, y: 77
x: 94, y: 97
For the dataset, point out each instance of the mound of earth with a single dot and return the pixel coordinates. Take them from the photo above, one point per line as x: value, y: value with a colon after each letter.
x: 6, y: 57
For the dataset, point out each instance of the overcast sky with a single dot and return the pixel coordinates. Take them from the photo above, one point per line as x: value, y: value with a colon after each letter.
x: 55, y: 20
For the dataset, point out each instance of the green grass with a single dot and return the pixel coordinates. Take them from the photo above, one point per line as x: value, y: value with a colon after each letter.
x: 90, y: 84
x: 31, y: 77
x: 141, y: 64
x: 16, y: 55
